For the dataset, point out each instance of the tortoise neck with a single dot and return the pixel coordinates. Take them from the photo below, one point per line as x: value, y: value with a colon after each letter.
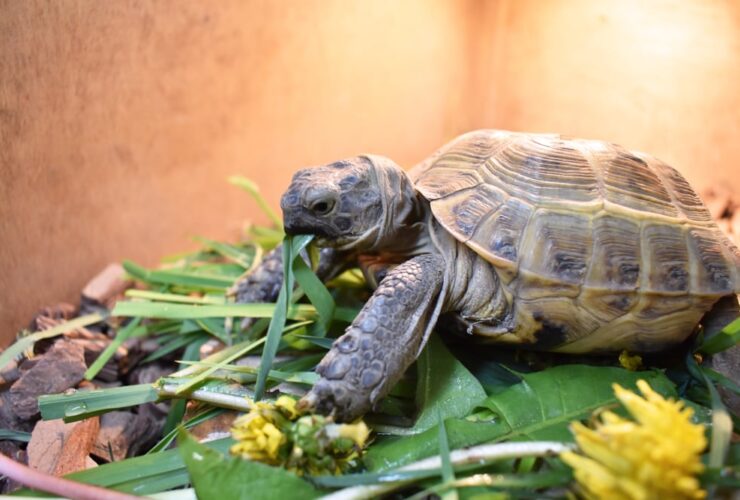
x: 402, y: 225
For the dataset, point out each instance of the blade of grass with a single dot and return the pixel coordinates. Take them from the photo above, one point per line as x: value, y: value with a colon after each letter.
x: 478, y: 455
x: 145, y: 474
x: 722, y: 340
x: 291, y: 248
x: 214, y: 392
x: 448, y: 473
x: 200, y: 377
x: 197, y: 419
x: 308, y: 378
x: 11, y: 435
x: 130, y: 330
x: 721, y: 421
x: 24, y: 343
x: 230, y: 252
x: 251, y: 188
x: 173, y: 297
x: 82, y: 404
x: 176, y: 277
x: 301, y: 312
x: 316, y: 292
x: 176, y: 343
x: 177, y: 410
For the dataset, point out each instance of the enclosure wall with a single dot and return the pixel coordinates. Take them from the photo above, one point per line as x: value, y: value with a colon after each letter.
x: 120, y: 121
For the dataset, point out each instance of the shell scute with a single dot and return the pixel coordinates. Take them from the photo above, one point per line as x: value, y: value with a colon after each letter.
x: 612, y: 229
x: 712, y: 274
x: 464, y: 211
x: 665, y: 247
x: 629, y: 182
x: 616, y: 254
x: 559, y: 246
x: 543, y: 168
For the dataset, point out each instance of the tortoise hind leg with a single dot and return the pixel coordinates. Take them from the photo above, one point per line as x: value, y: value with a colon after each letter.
x: 384, y: 339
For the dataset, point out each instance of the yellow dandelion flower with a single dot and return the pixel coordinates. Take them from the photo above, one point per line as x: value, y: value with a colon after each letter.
x: 631, y: 362
x: 357, y: 432
x: 287, y: 405
x: 258, y: 434
x: 277, y: 434
x: 655, y: 456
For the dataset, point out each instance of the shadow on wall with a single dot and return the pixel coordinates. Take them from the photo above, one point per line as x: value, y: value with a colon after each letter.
x: 119, y: 123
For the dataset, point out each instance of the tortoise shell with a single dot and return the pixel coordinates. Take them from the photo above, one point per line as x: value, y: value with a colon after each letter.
x: 584, y: 219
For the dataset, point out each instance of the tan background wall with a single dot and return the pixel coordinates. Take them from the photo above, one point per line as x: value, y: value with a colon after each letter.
x: 661, y: 76
x: 119, y: 121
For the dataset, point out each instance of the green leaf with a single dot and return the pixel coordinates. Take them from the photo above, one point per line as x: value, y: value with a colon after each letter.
x: 201, y: 376
x: 177, y: 277
x: 721, y: 422
x: 251, y: 187
x: 316, y: 292
x: 204, y: 416
x: 146, y: 474
x: 24, y: 343
x: 11, y: 435
x: 300, y: 312
x: 176, y: 343
x: 445, y: 387
x: 722, y: 340
x: 540, y: 407
x: 175, y: 297
x: 215, y: 476
x: 83, y: 404
x: 235, y: 254
x: 448, y: 473
x: 292, y: 247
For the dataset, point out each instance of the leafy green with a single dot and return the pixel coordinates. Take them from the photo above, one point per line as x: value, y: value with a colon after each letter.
x: 131, y: 330
x: 243, y: 257
x: 82, y: 404
x: 291, y: 250
x: 316, y: 292
x: 215, y: 476
x: 251, y: 187
x: 187, y: 311
x: 178, y: 277
x: 722, y: 340
x: 11, y: 435
x: 445, y: 388
x: 540, y: 407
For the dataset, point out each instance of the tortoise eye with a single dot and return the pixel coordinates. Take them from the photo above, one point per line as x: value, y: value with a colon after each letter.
x: 322, y: 207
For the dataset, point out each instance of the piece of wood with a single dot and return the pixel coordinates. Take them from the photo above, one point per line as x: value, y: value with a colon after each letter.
x: 121, y: 434
x: 58, y: 448
x: 60, y: 368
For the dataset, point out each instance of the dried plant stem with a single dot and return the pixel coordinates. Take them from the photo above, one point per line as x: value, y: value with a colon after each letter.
x: 238, y: 403
x: 481, y: 454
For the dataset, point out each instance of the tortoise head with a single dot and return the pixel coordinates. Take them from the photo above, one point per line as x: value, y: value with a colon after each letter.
x: 349, y: 204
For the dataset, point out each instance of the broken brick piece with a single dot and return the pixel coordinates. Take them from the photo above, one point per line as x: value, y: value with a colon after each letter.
x: 108, y: 285
x: 57, y: 448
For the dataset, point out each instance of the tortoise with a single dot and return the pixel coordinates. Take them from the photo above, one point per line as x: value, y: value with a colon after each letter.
x: 536, y: 240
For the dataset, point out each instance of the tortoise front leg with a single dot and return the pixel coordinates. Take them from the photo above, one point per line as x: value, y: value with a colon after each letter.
x: 384, y: 339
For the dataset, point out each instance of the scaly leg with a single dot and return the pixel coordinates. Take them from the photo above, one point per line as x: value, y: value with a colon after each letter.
x: 384, y: 339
